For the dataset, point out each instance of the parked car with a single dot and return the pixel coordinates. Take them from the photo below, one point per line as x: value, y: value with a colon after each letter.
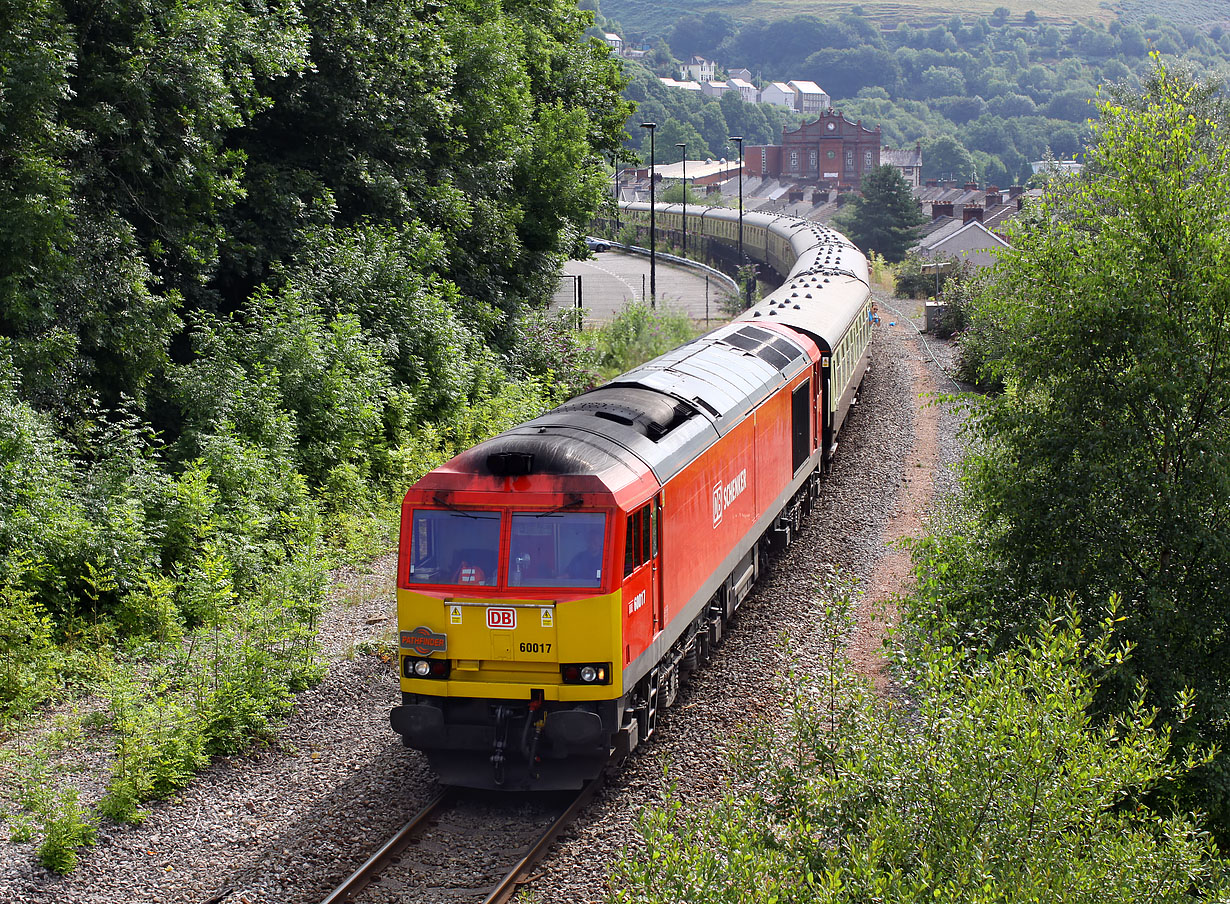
x: 596, y: 245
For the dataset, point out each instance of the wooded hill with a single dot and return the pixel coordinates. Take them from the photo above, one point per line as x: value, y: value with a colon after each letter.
x: 985, y: 96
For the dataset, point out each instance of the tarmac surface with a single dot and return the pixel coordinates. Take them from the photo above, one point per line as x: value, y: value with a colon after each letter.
x: 611, y: 280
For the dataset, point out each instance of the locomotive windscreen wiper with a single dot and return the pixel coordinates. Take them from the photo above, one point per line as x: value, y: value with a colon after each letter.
x: 439, y: 499
x: 567, y: 505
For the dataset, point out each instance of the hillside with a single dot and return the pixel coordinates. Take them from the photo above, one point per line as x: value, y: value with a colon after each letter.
x: 650, y: 17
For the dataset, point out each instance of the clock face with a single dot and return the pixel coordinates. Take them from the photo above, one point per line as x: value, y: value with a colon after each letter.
x: 831, y: 126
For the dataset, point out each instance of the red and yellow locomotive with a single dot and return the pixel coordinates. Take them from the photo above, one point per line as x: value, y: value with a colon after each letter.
x: 557, y: 582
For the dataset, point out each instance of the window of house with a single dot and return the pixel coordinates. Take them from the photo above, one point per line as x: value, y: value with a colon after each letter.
x: 849, y: 159
x: 794, y: 160
x: 866, y: 160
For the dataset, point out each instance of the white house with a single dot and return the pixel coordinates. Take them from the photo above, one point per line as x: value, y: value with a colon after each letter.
x: 968, y: 241
x: 779, y: 94
x: 698, y: 69
x: 747, y: 91
x: 615, y: 42
x: 811, y: 97
x: 714, y: 89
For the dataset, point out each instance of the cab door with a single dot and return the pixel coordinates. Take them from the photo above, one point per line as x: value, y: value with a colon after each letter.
x: 642, y: 581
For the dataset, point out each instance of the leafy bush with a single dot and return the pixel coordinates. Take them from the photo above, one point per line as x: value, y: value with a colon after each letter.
x: 994, y: 785
x: 638, y: 334
x: 912, y: 282
x: 28, y: 655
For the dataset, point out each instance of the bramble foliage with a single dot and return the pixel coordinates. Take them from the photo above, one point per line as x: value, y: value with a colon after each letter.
x: 994, y: 785
x: 550, y: 344
x: 1101, y: 469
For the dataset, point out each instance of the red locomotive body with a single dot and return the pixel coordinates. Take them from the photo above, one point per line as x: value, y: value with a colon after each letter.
x: 557, y: 582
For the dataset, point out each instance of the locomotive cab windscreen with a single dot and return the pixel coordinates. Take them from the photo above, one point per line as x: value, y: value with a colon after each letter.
x: 507, y: 549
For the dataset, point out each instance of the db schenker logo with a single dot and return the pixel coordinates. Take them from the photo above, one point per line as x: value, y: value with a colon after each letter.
x: 424, y: 641
x: 724, y: 495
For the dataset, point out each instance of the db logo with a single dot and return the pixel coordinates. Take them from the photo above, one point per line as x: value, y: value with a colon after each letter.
x: 724, y: 495
x: 501, y: 618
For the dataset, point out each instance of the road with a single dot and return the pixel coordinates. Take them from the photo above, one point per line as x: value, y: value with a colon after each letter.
x: 611, y: 280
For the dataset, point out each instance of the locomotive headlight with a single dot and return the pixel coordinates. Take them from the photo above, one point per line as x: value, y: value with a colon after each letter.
x: 425, y: 668
x: 585, y: 672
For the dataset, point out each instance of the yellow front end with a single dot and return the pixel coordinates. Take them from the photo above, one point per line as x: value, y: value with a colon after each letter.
x: 512, y: 649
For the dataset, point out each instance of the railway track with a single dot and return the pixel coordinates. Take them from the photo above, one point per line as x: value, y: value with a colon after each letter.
x: 458, y: 847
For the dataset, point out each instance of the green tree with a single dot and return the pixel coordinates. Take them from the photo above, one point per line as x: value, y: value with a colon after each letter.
x: 885, y: 219
x: 944, y: 157
x: 1103, y: 467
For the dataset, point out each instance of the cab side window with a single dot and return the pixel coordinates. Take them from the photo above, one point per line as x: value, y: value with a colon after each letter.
x: 640, y: 540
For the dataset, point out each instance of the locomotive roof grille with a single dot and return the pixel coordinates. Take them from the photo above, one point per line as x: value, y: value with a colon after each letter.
x: 510, y: 463
x: 651, y: 414
x: 776, y: 350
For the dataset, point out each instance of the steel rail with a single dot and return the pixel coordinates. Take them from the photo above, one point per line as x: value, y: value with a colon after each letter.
x: 375, y: 864
x: 507, y: 886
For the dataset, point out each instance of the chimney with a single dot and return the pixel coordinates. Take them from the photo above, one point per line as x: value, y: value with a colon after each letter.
x: 933, y: 183
x: 971, y: 212
x: 971, y: 186
x: 1014, y: 190
x: 994, y: 199
x: 941, y: 209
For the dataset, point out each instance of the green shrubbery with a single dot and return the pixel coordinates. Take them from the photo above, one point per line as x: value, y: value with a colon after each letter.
x: 638, y: 334
x: 250, y: 289
x: 992, y: 783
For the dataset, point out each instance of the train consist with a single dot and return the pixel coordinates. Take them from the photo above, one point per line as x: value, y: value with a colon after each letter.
x: 557, y: 582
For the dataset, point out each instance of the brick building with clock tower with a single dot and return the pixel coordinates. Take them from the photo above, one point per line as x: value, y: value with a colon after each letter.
x: 831, y: 152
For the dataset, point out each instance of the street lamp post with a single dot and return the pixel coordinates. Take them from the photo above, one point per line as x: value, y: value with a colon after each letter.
x: 683, y: 147
x: 653, y: 229
x: 615, y: 178
x: 738, y: 139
